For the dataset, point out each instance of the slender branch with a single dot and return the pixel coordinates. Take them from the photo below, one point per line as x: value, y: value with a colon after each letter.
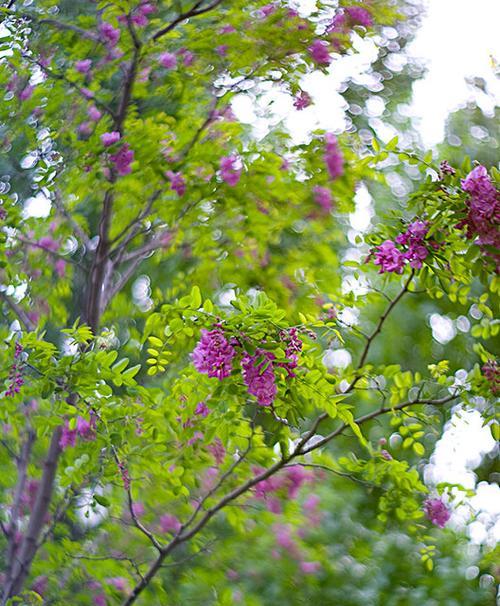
x: 194, y: 11
x: 27, y: 550
x: 19, y: 312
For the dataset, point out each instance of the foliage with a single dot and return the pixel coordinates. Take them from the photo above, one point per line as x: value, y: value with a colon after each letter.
x: 166, y: 385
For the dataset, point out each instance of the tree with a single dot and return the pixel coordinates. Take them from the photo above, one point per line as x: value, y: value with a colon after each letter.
x: 169, y: 310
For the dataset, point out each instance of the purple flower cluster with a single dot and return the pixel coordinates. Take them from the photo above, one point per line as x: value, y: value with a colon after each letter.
x: 177, y: 182
x: 483, y: 219
x: 214, y: 354
x: 491, y: 372
x: 109, y: 34
x: 16, y: 379
x: 320, y: 52
x: 437, y: 512
x: 168, y: 60
x: 302, y: 100
x: 323, y: 197
x: 333, y: 157
x: 83, y: 429
x: 258, y: 374
x: 359, y: 16
x: 122, y: 160
x: 390, y: 258
x: 230, y: 169
x: 288, y: 483
x: 83, y: 66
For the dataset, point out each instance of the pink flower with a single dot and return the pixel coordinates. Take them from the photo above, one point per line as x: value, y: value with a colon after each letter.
x: 169, y: 523
x: 93, y: 113
x: 302, y: 100
x: 68, y: 437
x: 217, y: 450
x: 111, y: 138
x: 109, y: 34
x: 227, y: 29
x: 311, y: 503
x: 483, y: 218
x: 446, y: 168
x: 202, y: 410
x: 333, y: 157
x: 386, y: 455
x: 491, y: 372
x: 99, y: 600
x: 48, y: 243
x: 222, y: 49
x: 389, y: 258
x: 60, y: 267
x: 359, y: 16
x: 230, y: 169
x: 122, y: 160
x: 138, y: 509
x: 85, y: 129
x: 310, y: 567
x: 214, y: 354
x: 87, y: 93
x: 86, y: 429
x: 83, y: 66
x: 26, y: 93
x: 258, y: 375
x: 177, y: 182
x: 119, y: 583
x: 168, y: 60
x: 323, y: 197
x: 437, y: 512
x: 320, y: 52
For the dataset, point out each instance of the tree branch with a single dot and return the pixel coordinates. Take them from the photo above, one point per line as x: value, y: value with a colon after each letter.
x: 194, y: 11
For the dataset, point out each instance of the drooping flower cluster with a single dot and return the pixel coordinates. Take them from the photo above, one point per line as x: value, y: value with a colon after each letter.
x: 412, y: 249
x: 437, y: 512
x: 122, y: 160
x: 214, y: 354
x: 258, y: 374
x: 483, y: 218
x: 109, y: 34
x: 177, y: 182
x: 323, y: 197
x: 83, y: 429
x: 333, y: 157
x: 302, y: 100
x: 287, y: 484
x: 16, y: 378
x: 168, y: 60
x: 320, y: 52
x: 230, y: 170
x: 491, y: 372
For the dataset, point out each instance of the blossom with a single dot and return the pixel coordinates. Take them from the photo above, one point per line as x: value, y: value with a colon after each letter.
x: 389, y: 258
x: 230, y: 170
x: 177, y: 182
x: 169, y: 523
x: 227, y: 29
x: 302, y: 100
x: 221, y: 50
x: 483, y: 216
x: 413, y: 239
x: 446, y: 168
x: 214, y: 354
x: 168, y: 60
x: 109, y: 34
x: 26, y: 93
x: 359, y: 16
x: 333, y: 157
x: 93, y: 113
x: 217, y: 450
x: 122, y: 160
x: 202, y: 409
x: 323, y: 197
x: 320, y: 52
x: 293, y: 348
x: 68, y: 436
x: 258, y: 375
x: 437, y: 512
x: 111, y: 138
x: 310, y: 567
x: 491, y: 372
x: 83, y: 66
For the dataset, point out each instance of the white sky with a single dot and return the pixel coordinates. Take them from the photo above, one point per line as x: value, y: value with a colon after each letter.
x: 458, y: 38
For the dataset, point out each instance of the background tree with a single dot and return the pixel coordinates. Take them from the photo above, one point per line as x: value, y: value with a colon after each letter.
x: 157, y: 404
